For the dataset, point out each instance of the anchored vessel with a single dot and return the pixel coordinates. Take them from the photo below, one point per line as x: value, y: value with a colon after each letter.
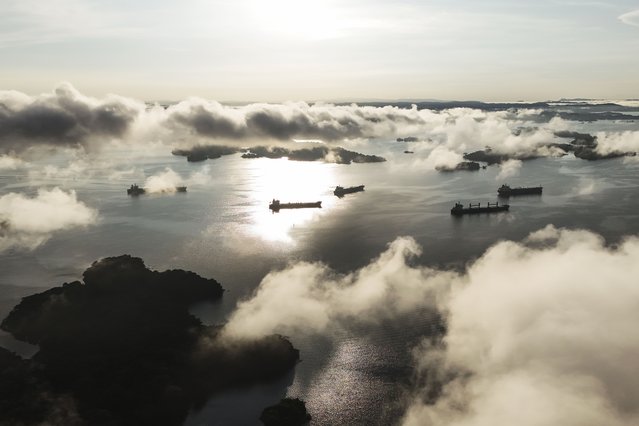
x: 507, y: 191
x: 276, y: 205
x: 135, y: 190
x: 340, y: 191
x: 459, y: 209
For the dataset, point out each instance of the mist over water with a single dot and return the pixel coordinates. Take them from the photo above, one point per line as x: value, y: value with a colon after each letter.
x: 357, y: 341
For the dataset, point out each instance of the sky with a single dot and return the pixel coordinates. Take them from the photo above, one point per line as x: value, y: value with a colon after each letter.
x: 277, y: 50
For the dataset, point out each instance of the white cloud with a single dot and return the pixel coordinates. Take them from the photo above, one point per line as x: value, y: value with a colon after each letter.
x: 508, y: 169
x: 168, y: 180
x: 27, y: 222
x: 630, y: 18
x: 309, y: 297
x: 442, y: 158
x: 540, y: 332
x: 10, y: 163
x: 165, y: 181
x: 66, y: 119
x: 609, y: 142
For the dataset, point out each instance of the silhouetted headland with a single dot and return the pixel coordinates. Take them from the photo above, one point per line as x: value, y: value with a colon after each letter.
x: 121, y: 348
x: 287, y: 412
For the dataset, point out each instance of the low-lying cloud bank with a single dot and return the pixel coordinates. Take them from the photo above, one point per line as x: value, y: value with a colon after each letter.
x: 539, y: 332
x: 67, y: 118
x: 617, y: 142
x: 62, y: 118
x: 309, y: 297
x: 27, y: 222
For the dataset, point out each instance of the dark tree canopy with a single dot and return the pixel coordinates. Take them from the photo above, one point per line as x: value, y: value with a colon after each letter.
x: 123, y: 348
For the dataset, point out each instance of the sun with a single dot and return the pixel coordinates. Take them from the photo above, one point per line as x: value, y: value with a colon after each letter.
x: 300, y: 19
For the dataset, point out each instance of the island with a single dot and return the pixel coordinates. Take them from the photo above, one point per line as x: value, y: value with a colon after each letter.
x: 584, y: 146
x: 312, y: 152
x: 206, y: 152
x: 321, y: 152
x: 464, y: 165
x: 489, y: 156
x: 121, y: 348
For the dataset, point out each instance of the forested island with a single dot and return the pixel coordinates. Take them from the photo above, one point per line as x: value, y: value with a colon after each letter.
x: 313, y: 152
x: 121, y: 348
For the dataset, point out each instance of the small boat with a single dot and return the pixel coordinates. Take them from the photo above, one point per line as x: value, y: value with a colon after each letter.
x: 135, y: 190
x: 276, y: 205
x: 507, y: 191
x: 459, y: 209
x: 340, y: 191
x: 180, y: 189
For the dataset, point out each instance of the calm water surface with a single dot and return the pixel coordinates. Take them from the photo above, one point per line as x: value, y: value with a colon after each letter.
x: 222, y: 228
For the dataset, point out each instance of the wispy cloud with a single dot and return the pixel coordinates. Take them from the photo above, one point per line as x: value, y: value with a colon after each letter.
x: 630, y: 18
x: 10, y: 163
x: 168, y: 180
x: 26, y: 22
x: 508, y: 169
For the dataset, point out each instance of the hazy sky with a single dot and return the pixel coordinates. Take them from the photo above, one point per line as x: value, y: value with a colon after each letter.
x: 331, y: 50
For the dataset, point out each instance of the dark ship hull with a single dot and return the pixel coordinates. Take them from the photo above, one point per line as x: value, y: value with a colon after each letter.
x: 135, y: 190
x: 460, y: 210
x: 341, y: 191
x: 276, y: 205
x: 506, y: 191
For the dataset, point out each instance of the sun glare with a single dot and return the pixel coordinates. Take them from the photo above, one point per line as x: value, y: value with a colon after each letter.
x: 288, y: 181
x: 301, y: 19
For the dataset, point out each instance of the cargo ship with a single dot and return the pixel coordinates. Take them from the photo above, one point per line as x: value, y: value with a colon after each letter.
x: 276, y: 205
x: 460, y: 210
x: 135, y: 190
x: 340, y: 191
x: 507, y: 191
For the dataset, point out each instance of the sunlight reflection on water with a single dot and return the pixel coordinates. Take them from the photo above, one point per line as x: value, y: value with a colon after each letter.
x: 287, y: 181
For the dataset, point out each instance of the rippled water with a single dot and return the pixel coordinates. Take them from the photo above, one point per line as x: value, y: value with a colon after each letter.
x: 222, y: 228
